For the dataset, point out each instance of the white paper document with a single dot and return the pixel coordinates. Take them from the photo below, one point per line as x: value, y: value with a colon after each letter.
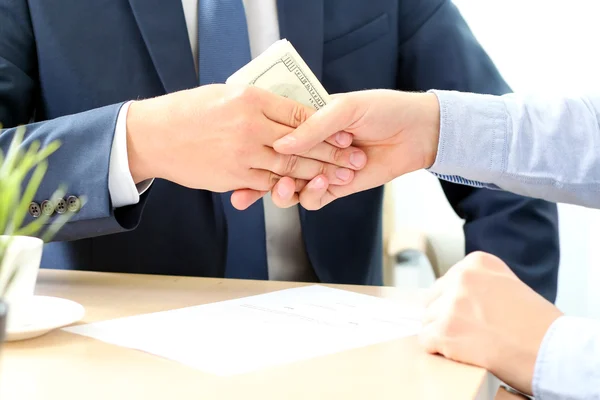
x: 251, y: 333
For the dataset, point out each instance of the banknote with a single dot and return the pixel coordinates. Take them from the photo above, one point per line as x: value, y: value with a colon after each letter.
x: 281, y: 70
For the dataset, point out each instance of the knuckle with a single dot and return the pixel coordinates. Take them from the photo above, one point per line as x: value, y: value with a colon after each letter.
x: 340, y: 102
x: 447, y: 349
x: 290, y: 164
x: 461, y: 305
x: 430, y: 341
x: 468, y: 278
x: 286, y: 165
x: 247, y: 126
x: 440, y: 339
x: 240, y: 96
x: 478, y: 258
x: 248, y: 94
x: 298, y: 115
x: 482, y: 261
x: 272, y: 180
x: 322, y: 168
x: 346, y: 105
x: 335, y: 155
x: 449, y: 327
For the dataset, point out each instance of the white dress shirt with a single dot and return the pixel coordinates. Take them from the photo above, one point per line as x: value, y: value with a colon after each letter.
x: 286, y: 255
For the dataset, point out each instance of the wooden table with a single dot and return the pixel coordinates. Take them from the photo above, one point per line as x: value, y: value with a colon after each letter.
x: 66, y: 366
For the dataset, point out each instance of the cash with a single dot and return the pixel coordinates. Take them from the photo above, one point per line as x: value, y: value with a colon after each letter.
x: 281, y: 70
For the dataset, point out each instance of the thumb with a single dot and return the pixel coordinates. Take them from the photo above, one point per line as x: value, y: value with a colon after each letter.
x: 329, y: 120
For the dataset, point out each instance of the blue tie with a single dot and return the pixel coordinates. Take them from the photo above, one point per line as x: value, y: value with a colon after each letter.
x: 223, y: 48
x: 223, y: 43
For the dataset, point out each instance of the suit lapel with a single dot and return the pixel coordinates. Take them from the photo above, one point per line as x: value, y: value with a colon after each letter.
x: 301, y: 22
x: 163, y: 28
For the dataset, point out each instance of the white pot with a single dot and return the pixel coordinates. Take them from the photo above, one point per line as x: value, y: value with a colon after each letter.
x: 23, y: 255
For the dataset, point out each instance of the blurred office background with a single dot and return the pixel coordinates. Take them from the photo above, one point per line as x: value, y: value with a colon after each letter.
x: 538, y: 46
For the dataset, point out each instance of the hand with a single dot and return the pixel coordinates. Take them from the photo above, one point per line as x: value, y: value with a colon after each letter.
x: 219, y: 138
x: 480, y: 313
x: 398, y: 131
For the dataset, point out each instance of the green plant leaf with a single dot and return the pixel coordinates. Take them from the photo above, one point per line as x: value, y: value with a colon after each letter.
x: 16, y: 195
x: 5, y: 201
x: 13, y: 153
x: 27, y: 198
x: 31, y: 159
x: 36, y: 226
x: 48, y: 150
x: 8, y: 200
x: 4, y: 244
x: 11, y: 278
x: 60, y: 222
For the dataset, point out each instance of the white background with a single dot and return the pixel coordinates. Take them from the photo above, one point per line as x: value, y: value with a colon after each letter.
x: 541, y: 46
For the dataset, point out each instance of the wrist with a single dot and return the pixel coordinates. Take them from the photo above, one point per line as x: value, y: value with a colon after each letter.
x: 515, y: 365
x: 140, y: 142
x: 515, y: 362
x: 430, y: 128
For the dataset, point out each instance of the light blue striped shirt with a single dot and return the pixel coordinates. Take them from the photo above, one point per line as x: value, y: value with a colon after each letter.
x: 538, y: 146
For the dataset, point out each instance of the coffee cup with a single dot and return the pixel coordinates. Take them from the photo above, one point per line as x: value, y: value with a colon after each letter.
x: 20, y: 265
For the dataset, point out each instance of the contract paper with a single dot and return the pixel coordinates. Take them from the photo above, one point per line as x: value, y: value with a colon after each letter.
x: 252, y: 333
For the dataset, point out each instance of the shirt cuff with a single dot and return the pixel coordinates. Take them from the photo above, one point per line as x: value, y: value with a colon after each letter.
x: 122, y: 189
x: 473, y: 138
x: 568, y: 363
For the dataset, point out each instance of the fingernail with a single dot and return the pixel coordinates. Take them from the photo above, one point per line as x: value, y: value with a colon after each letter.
x: 283, y: 192
x: 318, y: 183
x: 343, y: 173
x: 358, y: 159
x: 343, y: 139
x: 286, y: 141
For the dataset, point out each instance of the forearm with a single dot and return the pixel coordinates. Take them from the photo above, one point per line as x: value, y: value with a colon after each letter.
x: 533, y: 146
x: 568, y: 363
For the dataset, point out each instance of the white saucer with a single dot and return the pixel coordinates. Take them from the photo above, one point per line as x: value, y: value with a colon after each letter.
x: 45, y: 314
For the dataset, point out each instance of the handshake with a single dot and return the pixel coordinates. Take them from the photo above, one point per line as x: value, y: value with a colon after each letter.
x: 247, y: 140
x: 279, y: 131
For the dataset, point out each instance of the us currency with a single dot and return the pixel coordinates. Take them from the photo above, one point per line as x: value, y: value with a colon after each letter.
x: 281, y: 70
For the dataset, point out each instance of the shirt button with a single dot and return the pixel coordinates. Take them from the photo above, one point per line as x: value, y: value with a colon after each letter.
x: 47, y: 207
x: 34, y: 209
x: 61, y: 206
x: 73, y: 204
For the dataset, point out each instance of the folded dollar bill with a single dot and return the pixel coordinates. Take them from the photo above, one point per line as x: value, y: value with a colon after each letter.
x: 281, y: 70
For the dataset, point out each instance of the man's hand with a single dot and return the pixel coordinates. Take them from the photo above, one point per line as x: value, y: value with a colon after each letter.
x: 220, y: 137
x: 398, y: 131
x: 480, y: 313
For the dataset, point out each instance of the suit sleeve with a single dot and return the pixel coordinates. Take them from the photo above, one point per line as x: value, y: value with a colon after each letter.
x: 437, y: 50
x: 82, y: 161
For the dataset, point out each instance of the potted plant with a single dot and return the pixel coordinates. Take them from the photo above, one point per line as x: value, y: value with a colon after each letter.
x: 21, y: 173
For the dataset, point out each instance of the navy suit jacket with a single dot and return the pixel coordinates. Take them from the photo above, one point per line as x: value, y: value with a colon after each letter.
x: 67, y: 66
